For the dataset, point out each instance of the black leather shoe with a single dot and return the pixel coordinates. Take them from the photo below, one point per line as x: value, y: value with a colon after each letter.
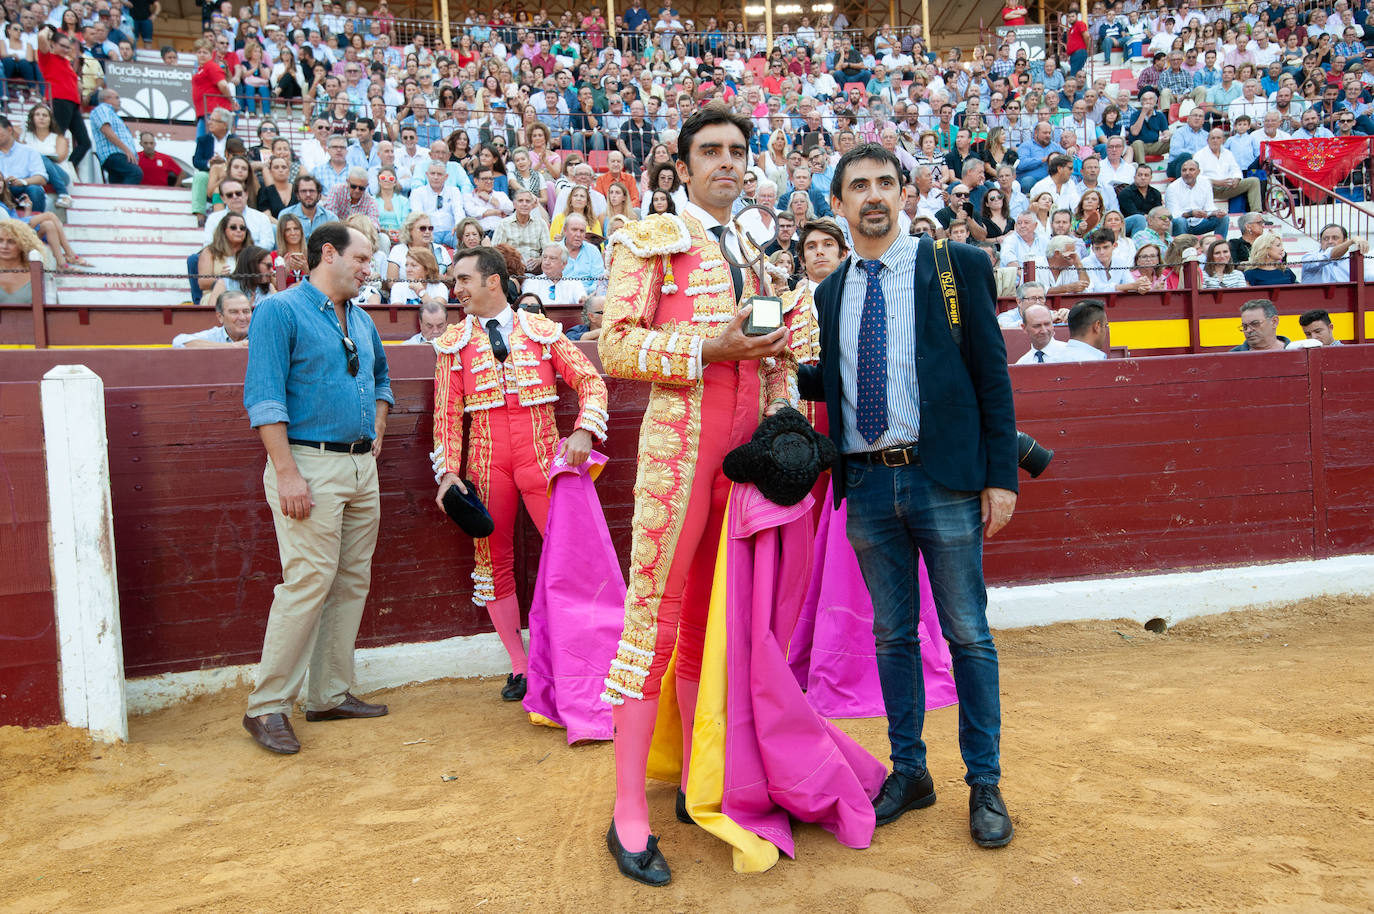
x: 680, y: 808
x: 988, y: 820
x: 515, y: 688
x: 348, y: 709
x: 647, y: 866
x: 902, y: 792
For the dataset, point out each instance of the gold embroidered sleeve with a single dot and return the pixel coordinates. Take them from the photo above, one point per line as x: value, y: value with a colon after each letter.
x: 447, y: 456
x: 630, y: 346
x: 582, y: 376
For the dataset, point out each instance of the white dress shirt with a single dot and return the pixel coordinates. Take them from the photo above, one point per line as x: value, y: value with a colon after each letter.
x: 1105, y: 279
x: 1065, y: 198
x: 1016, y: 250
x: 259, y: 225
x: 1180, y: 198
x: 1079, y: 351
x: 1123, y: 173
x: 1216, y: 167
x: 444, y: 208
x: 1054, y: 352
x: 475, y: 206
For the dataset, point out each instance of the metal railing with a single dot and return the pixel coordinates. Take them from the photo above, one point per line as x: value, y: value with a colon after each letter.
x: 1308, y: 206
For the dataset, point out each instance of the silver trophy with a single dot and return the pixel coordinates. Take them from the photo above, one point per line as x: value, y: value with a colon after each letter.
x: 751, y: 238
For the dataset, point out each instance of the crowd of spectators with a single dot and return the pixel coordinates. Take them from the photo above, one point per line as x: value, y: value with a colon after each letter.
x: 545, y: 133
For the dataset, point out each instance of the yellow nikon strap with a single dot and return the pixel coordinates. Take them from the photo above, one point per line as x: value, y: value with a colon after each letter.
x: 949, y: 289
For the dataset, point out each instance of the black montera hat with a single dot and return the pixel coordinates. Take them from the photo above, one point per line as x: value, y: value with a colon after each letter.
x: 783, y: 458
x: 468, y: 512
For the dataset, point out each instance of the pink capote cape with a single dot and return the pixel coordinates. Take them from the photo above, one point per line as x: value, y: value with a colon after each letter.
x: 781, y: 757
x: 578, y: 607
x: 832, y: 654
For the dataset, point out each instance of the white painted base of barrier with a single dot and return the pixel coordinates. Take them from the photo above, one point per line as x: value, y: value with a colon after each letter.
x: 1172, y: 597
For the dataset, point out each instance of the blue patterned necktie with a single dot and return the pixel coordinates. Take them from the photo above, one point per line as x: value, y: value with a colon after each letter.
x: 872, y: 399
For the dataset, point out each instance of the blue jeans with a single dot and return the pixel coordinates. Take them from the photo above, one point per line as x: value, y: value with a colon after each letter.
x: 56, y: 176
x: 37, y: 196
x: 143, y: 31
x: 1137, y: 223
x: 255, y: 99
x: 445, y: 238
x: 120, y: 170
x: 1204, y: 226
x: 893, y: 513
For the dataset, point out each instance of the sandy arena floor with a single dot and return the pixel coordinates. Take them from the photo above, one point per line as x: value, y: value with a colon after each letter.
x: 1227, y: 765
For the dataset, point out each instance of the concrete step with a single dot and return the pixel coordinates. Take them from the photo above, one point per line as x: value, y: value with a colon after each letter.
x: 125, y: 192
x: 187, y: 235
x: 132, y: 216
x: 138, y: 297
x: 167, y: 263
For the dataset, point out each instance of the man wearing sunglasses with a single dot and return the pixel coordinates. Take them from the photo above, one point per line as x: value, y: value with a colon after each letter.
x: 236, y: 202
x: 318, y: 392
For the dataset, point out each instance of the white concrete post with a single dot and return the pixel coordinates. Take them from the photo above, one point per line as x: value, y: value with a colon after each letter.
x: 85, y: 591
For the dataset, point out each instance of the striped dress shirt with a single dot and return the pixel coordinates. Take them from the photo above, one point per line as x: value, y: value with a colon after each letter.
x: 903, y: 396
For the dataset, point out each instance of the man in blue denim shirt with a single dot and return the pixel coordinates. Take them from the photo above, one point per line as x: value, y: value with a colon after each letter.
x: 318, y: 393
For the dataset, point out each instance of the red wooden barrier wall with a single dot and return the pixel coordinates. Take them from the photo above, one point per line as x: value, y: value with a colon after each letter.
x: 28, y: 634
x: 1161, y: 464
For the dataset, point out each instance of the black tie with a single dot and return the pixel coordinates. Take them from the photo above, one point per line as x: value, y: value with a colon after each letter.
x: 498, y: 345
x: 736, y: 278
x: 1039, y: 355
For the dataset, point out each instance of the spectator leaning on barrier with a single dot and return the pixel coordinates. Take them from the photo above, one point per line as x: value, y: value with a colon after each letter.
x: 1259, y: 321
x: 235, y: 313
x: 1332, y: 262
x: 1089, y: 333
x: 1316, y: 325
x: 114, y: 143
x: 433, y: 318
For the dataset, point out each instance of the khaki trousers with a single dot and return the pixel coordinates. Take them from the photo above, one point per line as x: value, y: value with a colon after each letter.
x: 1248, y: 186
x: 1140, y: 149
x: 326, y: 564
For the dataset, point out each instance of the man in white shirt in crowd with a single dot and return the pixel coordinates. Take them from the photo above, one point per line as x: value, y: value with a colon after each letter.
x: 929, y: 198
x: 236, y: 201
x: 1251, y: 103
x: 313, y: 155
x: 235, y: 313
x: 433, y: 321
x: 1024, y: 244
x: 1092, y: 180
x: 443, y: 204
x: 1190, y: 198
x: 1089, y: 332
x: 1027, y: 294
x: 1107, y: 271
x: 551, y: 287
x: 1017, y: 201
x: 1039, y: 327
x: 1331, y: 263
x: 1063, y: 270
x: 1271, y: 129
x: 411, y: 160
x: 1117, y: 169
x: 1217, y: 165
x: 1058, y: 183
x: 486, y: 204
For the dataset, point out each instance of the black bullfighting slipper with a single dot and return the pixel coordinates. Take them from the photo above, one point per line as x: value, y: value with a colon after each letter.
x: 515, y: 688
x: 680, y: 808
x: 647, y: 866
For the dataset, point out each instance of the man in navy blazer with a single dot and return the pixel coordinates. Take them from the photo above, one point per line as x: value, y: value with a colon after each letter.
x: 927, y: 433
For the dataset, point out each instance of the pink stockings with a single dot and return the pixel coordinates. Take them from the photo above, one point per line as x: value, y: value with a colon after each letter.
x: 505, y: 616
x: 634, y: 732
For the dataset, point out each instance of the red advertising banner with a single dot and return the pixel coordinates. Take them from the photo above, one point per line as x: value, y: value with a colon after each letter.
x: 1324, y: 161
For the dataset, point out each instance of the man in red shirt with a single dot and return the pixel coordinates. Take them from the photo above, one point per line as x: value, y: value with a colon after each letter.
x: 159, y: 170
x: 1075, y: 41
x: 209, y: 87
x: 55, y: 54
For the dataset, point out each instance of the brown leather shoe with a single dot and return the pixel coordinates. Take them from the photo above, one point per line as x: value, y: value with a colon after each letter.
x: 349, y: 708
x: 273, y: 732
